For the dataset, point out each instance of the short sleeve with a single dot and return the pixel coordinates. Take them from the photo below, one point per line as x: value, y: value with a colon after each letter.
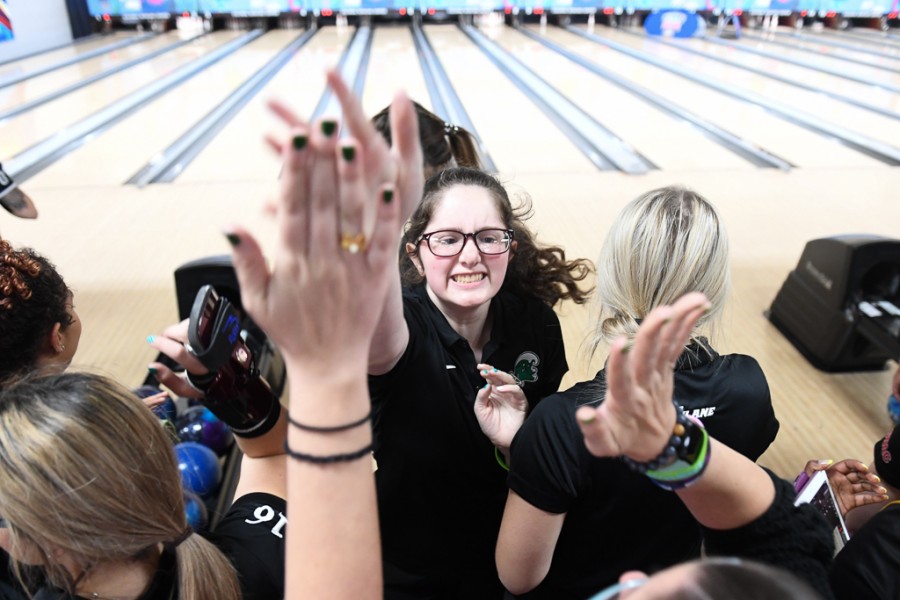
x: 544, y: 458
x: 252, y: 536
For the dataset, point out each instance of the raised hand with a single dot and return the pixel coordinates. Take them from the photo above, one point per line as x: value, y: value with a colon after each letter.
x: 637, y: 416
x: 336, y: 247
x: 500, y: 406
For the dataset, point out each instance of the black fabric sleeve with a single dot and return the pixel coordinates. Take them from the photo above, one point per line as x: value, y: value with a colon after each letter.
x: 797, y: 539
x: 869, y: 565
x: 252, y: 536
x: 544, y: 466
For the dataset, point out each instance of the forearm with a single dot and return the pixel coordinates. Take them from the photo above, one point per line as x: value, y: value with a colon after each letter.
x: 391, y: 334
x: 732, y: 492
x: 333, y: 505
x: 270, y: 443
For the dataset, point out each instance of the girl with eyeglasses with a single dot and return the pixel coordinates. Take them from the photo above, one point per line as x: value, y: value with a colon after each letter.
x: 469, y: 318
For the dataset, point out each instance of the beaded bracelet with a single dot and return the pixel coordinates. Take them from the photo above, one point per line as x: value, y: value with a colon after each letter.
x: 684, y: 458
x: 327, y: 459
x: 670, y: 452
x: 332, y: 429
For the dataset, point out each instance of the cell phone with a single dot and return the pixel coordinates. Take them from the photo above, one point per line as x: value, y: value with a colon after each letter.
x: 818, y: 493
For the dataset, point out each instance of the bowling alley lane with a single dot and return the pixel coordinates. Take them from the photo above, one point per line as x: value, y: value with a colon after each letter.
x: 46, y: 59
x: 826, y: 109
x: 34, y: 126
x: 667, y: 141
x: 793, y: 143
x: 40, y: 86
x: 859, y: 91
x: 153, y: 128
x: 888, y: 57
x: 393, y: 65
x: 517, y: 135
x: 237, y: 152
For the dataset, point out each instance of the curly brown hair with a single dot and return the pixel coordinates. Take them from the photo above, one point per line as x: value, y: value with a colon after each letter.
x: 443, y: 144
x: 33, y: 299
x: 539, y: 271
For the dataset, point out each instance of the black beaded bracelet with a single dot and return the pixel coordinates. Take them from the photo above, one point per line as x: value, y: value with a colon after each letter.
x: 333, y: 429
x: 328, y: 459
x: 672, y: 451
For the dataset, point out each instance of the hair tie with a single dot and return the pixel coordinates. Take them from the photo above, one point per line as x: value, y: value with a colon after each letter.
x: 450, y: 129
x: 182, y: 536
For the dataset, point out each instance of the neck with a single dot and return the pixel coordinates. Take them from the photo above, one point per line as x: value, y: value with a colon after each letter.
x: 474, y: 324
x: 118, y: 580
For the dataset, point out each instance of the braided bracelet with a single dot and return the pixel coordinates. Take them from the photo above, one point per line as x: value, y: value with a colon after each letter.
x: 332, y: 429
x: 329, y: 458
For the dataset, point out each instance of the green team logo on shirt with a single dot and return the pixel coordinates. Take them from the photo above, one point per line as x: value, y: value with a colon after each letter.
x: 526, y: 369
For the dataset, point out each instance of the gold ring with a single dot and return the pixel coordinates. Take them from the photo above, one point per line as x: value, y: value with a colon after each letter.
x: 353, y: 243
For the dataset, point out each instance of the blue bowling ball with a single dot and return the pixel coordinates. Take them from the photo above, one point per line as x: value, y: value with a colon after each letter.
x: 166, y: 410
x: 199, y: 424
x: 199, y: 468
x: 195, y: 511
x: 893, y: 408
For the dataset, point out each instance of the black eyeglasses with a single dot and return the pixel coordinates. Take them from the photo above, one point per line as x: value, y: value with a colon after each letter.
x: 447, y: 242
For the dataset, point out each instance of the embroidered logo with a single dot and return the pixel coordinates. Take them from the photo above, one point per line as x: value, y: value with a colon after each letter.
x: 885, y: 449
x: 526, y: 369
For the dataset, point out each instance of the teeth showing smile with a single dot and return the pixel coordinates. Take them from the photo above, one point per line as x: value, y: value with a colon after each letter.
x: 473, y: 278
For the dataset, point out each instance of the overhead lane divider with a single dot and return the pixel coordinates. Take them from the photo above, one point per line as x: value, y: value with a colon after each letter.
x: 171, y: 162
x: 444, y: 99
x: 39, y: 156
x: 600, y: 145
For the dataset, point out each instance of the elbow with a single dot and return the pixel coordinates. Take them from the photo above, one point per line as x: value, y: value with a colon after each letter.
x: 518, y: 580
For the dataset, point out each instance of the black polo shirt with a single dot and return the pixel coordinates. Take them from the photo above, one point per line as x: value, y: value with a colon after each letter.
x: 869, y: 565
x: 440, y: 490
x: 617, y: 520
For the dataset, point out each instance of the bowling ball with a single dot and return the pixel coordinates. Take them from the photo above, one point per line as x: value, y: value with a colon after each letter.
x: 166, y: 410
x: 199, y: 468
x: 199, y: 424
x: 893, y: 408
x: 195, y: 511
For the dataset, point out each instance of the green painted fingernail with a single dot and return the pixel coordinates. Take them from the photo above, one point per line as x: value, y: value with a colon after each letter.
x: 152, y: 370
x: 626, y: 348
x: 299, y: 142
x: 587, y: 421
x: 348, y: 152
x: 387, y: 196
x: 233, y: 239
x: 150, y: 339
x: 329, y: 127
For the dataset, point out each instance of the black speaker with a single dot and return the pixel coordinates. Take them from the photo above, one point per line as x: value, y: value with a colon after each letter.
x: 839, y: 306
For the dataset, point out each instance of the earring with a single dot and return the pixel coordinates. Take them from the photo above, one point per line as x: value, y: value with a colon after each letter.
x: 62, y: 348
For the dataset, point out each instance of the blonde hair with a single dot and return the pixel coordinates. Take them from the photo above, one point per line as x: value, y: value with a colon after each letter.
x: 85, y: 468
x: 663, y: 244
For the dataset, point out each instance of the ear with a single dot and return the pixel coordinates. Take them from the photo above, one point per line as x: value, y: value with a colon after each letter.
x: 55, y: 340
x: 414, y: 257
x: 512, y: 249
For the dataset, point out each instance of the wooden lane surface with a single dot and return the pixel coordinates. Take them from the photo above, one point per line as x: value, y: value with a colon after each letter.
x: 791, y: 142
x: 825, y: 109
x: 36, y: 125
x: 154, y: 127
x: 46, y: 59
x: 38, y: 87
x: 668, y: 142
x: 393, y: 66
x: 518, y: 136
